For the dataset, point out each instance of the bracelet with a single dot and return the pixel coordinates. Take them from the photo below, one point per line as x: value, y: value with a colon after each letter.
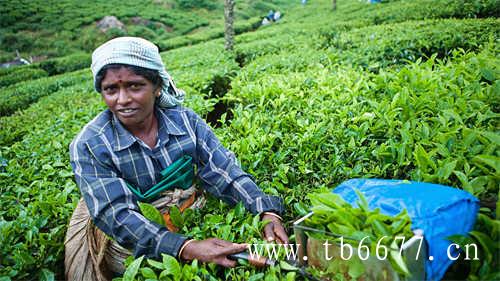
x: 273, y: 214
x: 184, y: 246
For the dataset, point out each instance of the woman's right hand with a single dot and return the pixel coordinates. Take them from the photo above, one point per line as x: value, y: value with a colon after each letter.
x: 212, y: 250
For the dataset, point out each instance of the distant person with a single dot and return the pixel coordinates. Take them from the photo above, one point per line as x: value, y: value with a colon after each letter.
x: 270, y: 15
x: 147, y: 141
x: 304, y: 2
x: 277, y: 16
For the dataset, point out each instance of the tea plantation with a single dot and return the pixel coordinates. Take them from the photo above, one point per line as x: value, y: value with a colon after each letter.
x: 395, y: 90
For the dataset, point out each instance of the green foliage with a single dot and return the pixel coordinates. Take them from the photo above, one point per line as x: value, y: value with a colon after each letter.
x: 65, y: 64
x: 383, y: 45
x: 400, y: 11
x: 50, y: 67
x: 68, y: 26
x: 191, y: 4
x: 215, y: 220
x: 337, y: 221
x: 21, y: 95
x: 151, y: 213
x: 213, y: 33
x: 21, y: 74
x: 485, y: 236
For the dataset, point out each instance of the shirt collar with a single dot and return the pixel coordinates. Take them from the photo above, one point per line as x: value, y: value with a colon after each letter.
x: 166, y: 126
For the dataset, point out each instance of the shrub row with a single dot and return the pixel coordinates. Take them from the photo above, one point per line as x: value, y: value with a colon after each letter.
x: 383, y: 45
x: 12, y: 75
x: 212, y: 33
x: 68, y: 26
x: 21, y: 95
x: 22, y: 74
x: 399, y: 11
x: 65, y: 64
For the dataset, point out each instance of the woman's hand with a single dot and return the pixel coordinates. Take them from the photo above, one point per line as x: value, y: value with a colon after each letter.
x: 212, y: 250
x: 274, y: 230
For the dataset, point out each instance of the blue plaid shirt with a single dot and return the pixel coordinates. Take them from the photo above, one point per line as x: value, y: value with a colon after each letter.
x: 104, y: 156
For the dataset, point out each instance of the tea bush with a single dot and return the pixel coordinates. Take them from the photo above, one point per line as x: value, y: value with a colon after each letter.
x: 21, y: 95
x: 383, y: 45
x: 22, y: 74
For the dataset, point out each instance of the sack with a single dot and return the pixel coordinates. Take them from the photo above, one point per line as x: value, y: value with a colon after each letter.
x: 440, y: 211
x: 91, y: 255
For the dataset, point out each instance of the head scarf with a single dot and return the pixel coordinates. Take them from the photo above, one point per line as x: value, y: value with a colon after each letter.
x: 138, y: 52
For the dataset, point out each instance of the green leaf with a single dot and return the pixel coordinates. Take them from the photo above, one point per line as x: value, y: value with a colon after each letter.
x: 290, y: 276
x: 397, y: 260
x: 176, y: 216
x: 380, y: 229
x: 229, y: 217
x: 328, y: 199
x: 171, y: 266
x: 132, y: 270
x: 356, y: 268
x: 148, y: 273
x: 300, y: 208
x: 487, y: 245
x: 155, y: 264
x: 341, y: 229
x: 362, y: 203
x: 239, y: 210
x: 464, y: 181
x: 46, y: 275
x: 151, y: 213
x: 461, y: 240
x: 422, y: 158
x: 488, y: 74
x: 445, y: 171
x: 492, y: 137
x: 288, y: 267
x: 489, y: 160
x: 256, y: 277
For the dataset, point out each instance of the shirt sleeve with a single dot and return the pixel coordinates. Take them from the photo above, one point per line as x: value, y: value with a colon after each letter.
x: 223, y: 177
x: 113, y: 207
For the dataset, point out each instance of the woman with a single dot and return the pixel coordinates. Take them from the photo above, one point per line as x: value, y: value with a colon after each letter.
x: 121, y: 153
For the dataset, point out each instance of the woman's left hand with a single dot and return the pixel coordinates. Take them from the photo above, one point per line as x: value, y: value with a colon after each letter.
x: 274, y: 230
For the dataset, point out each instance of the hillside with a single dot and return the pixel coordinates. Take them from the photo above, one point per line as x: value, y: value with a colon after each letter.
x: 397, y: 90
x: 42, y: 29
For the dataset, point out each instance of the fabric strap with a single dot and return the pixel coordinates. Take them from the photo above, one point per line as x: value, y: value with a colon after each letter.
x: 179, y: 174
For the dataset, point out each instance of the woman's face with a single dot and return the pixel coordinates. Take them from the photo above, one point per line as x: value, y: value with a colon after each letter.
x: 129, y: 96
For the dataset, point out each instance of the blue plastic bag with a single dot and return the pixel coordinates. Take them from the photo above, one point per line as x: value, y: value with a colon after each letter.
x: 440, y: 211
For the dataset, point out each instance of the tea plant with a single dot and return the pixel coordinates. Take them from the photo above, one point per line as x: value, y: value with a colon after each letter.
x: 368, y: 230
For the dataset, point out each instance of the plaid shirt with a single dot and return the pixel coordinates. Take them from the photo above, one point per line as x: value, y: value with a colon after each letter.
x: 104, y: 156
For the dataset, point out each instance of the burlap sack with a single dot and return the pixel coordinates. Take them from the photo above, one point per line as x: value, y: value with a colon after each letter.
x: 91, y: 256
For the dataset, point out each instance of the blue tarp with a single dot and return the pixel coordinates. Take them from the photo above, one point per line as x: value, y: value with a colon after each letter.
x: 440, y: 211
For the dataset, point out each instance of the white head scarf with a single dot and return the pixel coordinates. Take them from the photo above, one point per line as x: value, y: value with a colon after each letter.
x: 138, y: 52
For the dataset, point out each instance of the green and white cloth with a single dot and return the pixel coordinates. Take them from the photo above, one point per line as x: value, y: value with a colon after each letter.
x: 138, y: 52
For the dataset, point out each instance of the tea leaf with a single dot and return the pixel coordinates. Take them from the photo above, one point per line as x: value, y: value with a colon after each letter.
x: 132, y: 269
x: 151, y: 213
